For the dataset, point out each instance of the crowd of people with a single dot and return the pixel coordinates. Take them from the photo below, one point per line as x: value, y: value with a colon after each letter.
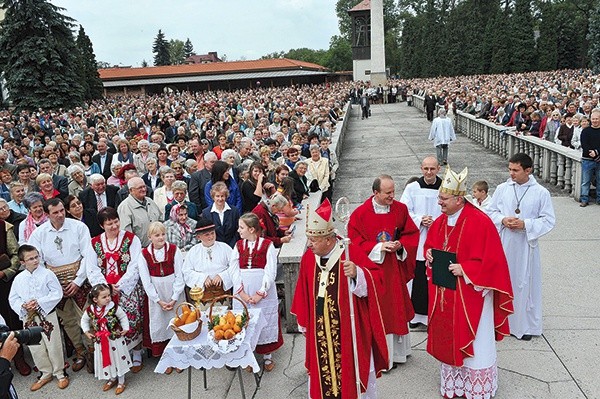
x: 108, y: 212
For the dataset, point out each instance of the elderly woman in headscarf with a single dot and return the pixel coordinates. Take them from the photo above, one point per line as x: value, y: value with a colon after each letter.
x: 267, y: 211
x: 34, y: 203
x: 180, y: 228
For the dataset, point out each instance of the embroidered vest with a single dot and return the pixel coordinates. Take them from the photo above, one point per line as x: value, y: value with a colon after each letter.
x: 112, y: 321
x: 121, y: 256
x: 258, y: 255
x: 164, y: 268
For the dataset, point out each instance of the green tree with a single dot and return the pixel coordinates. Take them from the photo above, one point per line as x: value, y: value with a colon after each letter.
x: 87, y: 66
x: 160, y: 49
x: 339, y: 55
x: 176, y: 52
x: 37, y: 57
x: 307, y: 55
x: 523, y: 51
x: 498, y: 43
x: 144, y: 64
x: 188, y: 48
x: 593, y: 37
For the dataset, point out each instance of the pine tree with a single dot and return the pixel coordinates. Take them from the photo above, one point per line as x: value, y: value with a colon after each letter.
x: 522, y: 41
x: 593, y: 37
x: 37, y: 57
x: 160, y: 48
x: 188, y: 48
x: 88, y: 70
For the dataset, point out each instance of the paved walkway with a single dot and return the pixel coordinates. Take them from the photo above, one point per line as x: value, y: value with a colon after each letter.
x: 563, y: 363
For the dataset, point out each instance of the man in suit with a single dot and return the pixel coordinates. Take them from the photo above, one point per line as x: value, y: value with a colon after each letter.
x: 103, y: 158
x: 199, y: 179
x: 98, y: 195
x: 59, y: 182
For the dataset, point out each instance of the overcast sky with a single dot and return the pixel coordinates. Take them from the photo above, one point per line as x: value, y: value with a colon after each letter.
x: 122, y: 31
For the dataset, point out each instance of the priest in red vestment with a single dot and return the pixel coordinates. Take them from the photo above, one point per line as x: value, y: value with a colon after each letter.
x: 322, y: 307
x: 465, y: 322
x: 385, y: 232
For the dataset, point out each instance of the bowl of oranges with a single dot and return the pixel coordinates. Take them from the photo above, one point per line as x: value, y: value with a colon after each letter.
x: 186, y: 323
x: 226, y: 331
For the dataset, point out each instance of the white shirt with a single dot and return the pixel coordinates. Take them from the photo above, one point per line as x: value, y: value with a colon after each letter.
x: 220, y: 213
x: 270, y: 270
x: 67, y: 245
x: 41, y: 285
x: 202, y: 262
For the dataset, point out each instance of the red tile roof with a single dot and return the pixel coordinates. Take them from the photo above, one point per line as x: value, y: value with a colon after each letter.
x: 207, y: 69
x: 364, y: 5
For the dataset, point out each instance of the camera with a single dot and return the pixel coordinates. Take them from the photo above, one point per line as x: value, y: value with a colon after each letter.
x: 26, y: 336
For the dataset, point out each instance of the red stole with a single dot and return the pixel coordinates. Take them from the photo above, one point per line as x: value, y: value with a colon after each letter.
x: 370, y: 332
x: 366, y: 229
x: 454, y: 314
x: 258, y: 258
x: 164, y: 268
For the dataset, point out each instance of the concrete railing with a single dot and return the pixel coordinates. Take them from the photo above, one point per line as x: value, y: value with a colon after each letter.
x: 553, y: 163
x: 291, y: 253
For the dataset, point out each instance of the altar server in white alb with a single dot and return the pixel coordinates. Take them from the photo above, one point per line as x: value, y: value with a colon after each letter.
x: 442, y: 133
x: 421, y: 199
x: 522, y: 211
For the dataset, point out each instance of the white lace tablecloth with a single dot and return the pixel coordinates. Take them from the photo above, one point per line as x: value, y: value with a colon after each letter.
x: 199, y: 353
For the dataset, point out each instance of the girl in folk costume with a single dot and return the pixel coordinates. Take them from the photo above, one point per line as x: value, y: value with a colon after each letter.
x: 106, y: 324
x: 253, y: 269
x: 160, y: 272
x: 118, y: 256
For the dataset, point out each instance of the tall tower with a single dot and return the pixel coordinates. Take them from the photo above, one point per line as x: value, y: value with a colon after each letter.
x: 368, y: 51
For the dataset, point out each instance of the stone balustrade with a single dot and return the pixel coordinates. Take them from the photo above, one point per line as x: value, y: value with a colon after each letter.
x: 553, y: 163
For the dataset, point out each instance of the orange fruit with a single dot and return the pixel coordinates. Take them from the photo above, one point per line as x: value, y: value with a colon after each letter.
x: 217, y: 328
x: 237, y: 328
x: 178, y: 322
x: 229, y: 334
x: 218, y: 335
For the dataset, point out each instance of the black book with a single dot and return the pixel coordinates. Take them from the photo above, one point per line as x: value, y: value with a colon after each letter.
x: 442, y: 276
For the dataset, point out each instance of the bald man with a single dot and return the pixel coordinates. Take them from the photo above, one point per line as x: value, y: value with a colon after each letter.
x: 420, y: 197
x: 137, y: 211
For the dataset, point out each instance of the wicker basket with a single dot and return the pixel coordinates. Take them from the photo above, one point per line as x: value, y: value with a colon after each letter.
x: 183, y: 335
x: 245, y: 317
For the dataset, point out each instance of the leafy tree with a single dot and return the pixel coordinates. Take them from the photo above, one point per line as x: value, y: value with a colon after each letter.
x: 144, y: 63
x: 160, y: 49
x: 188, y: 48
x: 593, y: 37
x: 176, y: 52
x: 88, y: 68
x: 103, y: 65
x: 307, y: 55
x: 339, y: 55
x: 37, y: 57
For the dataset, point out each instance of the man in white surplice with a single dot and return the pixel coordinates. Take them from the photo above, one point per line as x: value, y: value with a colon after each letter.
x: 522, y: 211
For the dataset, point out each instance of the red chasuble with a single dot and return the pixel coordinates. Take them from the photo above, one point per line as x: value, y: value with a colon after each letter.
x: 333, y: 376
x: 454, y: 314
x: 367, y: 229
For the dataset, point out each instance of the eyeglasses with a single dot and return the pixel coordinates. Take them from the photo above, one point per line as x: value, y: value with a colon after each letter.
x: 440, y: 198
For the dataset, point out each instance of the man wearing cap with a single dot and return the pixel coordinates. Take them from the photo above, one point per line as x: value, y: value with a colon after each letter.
x: 321, y: 304
x: 522, y: 211
x: 383, y: 229
x: 420, y: 198
x: 465, y: 322
x: 207, y: 263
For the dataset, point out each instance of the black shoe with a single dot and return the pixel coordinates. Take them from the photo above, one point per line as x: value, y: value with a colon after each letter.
x: 413, y: 325
x: 526, y: 337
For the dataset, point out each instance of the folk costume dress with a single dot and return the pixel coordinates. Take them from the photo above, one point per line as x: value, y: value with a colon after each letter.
x: 465, y: 323
x: 369, y: 227
x: 321, y: 305
x: 111, y: 356
x: 162, y: 278
x: 118, y: 263
x: 254, y: 268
